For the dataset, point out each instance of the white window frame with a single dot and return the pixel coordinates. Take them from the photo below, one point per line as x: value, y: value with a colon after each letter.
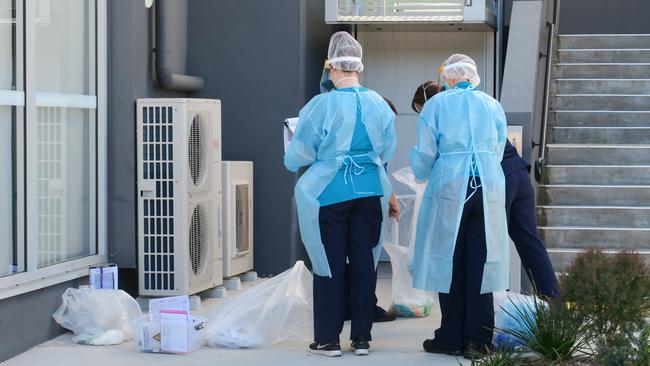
x: 34, y: 278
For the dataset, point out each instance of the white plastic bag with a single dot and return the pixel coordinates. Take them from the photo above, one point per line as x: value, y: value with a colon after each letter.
x: 399, y: 244
x: 274, y: 311
x: 510, y: 311
x: 97, y: 317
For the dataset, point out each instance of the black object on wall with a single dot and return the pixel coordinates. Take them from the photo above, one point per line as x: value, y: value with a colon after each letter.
x: 604, y: 17
x: 263, y: 60
x: 170, y: 50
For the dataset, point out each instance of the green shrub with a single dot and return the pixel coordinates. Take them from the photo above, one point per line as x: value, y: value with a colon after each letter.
x: 552, y: 331
x: 628, y: 348
x: 610, y: 291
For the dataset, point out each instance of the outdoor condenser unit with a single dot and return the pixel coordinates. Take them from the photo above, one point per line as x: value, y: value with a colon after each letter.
x: 238, y: 217
x: 179, y: 196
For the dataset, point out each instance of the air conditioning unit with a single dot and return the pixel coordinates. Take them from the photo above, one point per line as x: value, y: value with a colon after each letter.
x: 237, y: 188
x: 179, y: 196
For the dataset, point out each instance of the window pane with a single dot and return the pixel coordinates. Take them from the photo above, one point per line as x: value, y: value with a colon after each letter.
x: 11, y: 118
x: 66, y: 128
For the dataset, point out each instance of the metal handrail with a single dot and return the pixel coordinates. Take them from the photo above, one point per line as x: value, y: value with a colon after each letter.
x: 539, y: 164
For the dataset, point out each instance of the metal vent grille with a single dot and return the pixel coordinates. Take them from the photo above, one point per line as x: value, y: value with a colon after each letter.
x: 242, y: 215
x: 52, y: 233
x: 197, y: 150
x: 158, y: 220
x: 198, y: 239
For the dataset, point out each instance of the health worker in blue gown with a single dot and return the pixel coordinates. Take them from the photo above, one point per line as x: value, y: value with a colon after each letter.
x: 345, y: 137
x: 461, y: 246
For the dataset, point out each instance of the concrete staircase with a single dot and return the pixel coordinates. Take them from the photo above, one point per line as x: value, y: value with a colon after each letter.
x: 596, y: 188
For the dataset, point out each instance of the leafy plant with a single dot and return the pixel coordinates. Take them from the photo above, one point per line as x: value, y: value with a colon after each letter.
x: 628, y: 348
x: 610, y: 291
x: 550, y: 330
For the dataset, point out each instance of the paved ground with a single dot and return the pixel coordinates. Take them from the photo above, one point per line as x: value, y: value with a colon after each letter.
x: 397, y: 343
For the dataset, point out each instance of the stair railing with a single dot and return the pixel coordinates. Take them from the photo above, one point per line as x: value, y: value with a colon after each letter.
x: 550, y: 48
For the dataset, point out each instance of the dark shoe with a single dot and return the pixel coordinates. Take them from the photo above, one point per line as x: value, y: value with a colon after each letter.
x: 431, y: 346
x: 476, y: 351
x: 381, y: 315
x: 329, y: 350
x: 361, y: 347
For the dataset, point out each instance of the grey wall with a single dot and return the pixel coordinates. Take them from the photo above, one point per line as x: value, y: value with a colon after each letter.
x: 604, y: 17
x: 26, y: 320
x: 263, y: 60
x: 129, y: 78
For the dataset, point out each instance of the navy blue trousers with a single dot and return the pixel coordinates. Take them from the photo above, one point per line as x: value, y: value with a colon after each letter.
x: 466, y: 314
x: 522, y: 228
x: 349, y: 230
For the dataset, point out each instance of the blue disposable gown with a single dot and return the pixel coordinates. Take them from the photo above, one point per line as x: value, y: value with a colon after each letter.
x: 454, y: 126
x: 322, y: 139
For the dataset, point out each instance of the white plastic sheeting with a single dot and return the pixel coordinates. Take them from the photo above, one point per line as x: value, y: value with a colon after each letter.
x: 97, y: 317
x: 274, y: 311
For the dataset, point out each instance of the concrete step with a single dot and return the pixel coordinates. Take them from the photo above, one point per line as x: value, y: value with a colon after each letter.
x: 604, y: 55
x: 599, y: 118
x: 594, y: 216
x: 597, y: 154
x: 604, y: 41
x: 597, y: 174
x: 609, y: 102
x: 562, y: 258
x: 594, y: 195
x: 600, y: 135
x: 602, y: 70
x: 604, y: 237
x: 603, y: 86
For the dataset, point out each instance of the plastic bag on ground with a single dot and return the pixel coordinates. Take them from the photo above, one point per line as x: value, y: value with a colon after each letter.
x: 274, y: 311
x: 510, y: 310
x: 97, y: 317
x: 147, y: 334
x: 399, y: 242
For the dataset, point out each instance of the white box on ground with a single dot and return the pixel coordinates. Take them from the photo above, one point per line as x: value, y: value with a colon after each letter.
x: 173, y: 331
x: 177, y: 303
x: 103, y: 277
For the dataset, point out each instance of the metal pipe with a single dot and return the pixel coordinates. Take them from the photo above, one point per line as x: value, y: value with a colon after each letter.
x: 171, y: 47
x: 547, y: 90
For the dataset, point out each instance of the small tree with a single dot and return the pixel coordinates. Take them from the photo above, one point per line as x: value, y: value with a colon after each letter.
x: 612, y: 292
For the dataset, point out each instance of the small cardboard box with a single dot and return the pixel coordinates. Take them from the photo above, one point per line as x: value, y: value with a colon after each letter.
x: 104, y: 277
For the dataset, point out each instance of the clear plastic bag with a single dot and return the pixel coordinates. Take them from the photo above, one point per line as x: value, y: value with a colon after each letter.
x: 510, y: 309
x: 274, y: 311
x: 97, y: 317
x: 147, y: 334
x: 399, y: 243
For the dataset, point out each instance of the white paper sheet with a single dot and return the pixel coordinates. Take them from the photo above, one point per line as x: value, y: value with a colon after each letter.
x: 177, y: 303
x: 289, y: 129
x: 173, y: 331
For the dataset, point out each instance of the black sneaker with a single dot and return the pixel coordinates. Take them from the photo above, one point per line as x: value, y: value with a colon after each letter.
x: 382, y: 315
x: 361, y: 347
x: 476, y: 351
x: 329, y: 350
x: 431, y: 346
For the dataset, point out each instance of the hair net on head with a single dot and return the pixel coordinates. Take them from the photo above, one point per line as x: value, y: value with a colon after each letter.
x: 345, y: 52
x: 459, y: 66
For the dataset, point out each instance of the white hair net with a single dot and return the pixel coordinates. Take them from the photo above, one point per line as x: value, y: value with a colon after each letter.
x: 459, y: 66
x: 345, y: 52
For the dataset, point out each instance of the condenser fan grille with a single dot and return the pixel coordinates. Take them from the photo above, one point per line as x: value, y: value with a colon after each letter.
x: 242, y: 217
x: 198, y: 240
x: 197, y: 150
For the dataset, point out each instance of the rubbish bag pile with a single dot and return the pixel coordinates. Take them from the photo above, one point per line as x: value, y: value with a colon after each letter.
x: 274, y: 311
x: 97, y: 317
x: 510, y: 311
x: 399, y: 240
